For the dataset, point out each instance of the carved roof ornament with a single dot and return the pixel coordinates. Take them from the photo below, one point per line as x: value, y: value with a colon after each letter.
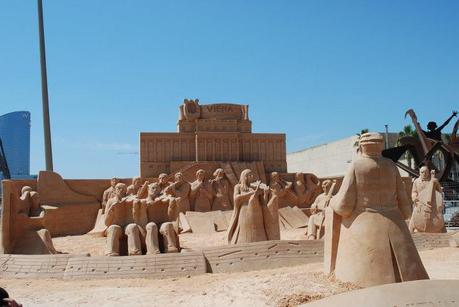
x: 192, y: 109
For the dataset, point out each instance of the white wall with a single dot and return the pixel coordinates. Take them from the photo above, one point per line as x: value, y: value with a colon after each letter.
x: 330, y: 159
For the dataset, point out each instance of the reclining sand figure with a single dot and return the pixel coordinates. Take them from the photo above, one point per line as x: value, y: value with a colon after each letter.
x: 255, y: 214
x: 31, y: 220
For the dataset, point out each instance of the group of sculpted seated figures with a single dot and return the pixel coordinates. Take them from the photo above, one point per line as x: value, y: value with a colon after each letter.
x: 132, y: 220
x: 202, y: 195
x: 142, y: 218
x: 133, y: 213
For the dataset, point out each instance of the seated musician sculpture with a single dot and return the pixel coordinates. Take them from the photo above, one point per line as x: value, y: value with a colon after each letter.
x: 127, y: 222
x: 222, y: 189
x: 305, y: 190
x: 163, y: 209
x: 255, y: 214
x: 179, y: 191
x: 283, y: 190
x: 175, y: 195
x: 374, y: 245
x: 134, y: 188
x: 427, y: 203
x: 109, y: 193
x: 201, y: 193
x: 316, y: 220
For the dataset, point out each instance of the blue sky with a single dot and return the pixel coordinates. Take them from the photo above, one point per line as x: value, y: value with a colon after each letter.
x: 316, y: 70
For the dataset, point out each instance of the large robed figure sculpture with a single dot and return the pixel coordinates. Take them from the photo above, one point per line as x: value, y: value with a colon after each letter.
x: 369, y: 240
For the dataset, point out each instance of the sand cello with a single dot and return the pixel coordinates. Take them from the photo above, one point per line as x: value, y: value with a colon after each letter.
x: 428, y: 215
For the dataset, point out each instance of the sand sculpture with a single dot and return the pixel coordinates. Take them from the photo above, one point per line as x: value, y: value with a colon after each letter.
x: 427, y: 203
x: 134, y: 188
x: 217, y: 134
x: 255, y: 214
x: 316, y: 220
x: 211, y: 139
x: 109, y: 193
x: 201, y: 193
x: 179, y: 192
x: 283, y: 190
x: 305, y: 189
x: 367, y: 241
x: 128, y: 224
x: 34, y: 211
x: 222, y: 191
x: 35, y: 238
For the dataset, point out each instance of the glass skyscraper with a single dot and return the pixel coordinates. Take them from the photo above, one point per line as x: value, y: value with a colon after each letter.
x: 15, y: 135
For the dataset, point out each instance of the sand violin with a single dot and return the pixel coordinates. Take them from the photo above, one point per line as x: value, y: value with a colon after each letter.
x: 260, y: 185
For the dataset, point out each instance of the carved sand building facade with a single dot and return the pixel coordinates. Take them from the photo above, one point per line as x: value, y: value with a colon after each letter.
x: 210, y: 133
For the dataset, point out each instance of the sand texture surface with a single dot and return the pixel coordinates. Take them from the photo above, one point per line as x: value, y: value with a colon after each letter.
x: 278, y: 287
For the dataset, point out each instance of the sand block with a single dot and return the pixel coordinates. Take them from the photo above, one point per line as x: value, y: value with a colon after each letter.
x: 99, y: 227
x: 294, y: 217
x: 183, y: 222
x: 301, y: 216
x: 284, y: 224
x: 34, y: 266
x: 148, y: 266
x: 261, y: 171
x: 228, y: 215
x: 229, y: 173
x: 219, y: 220
x: 454, y: 240
x: 54, y: 191
x: 200, y: 222
x: 262, y: 255
x: 412, y: 293
x: 425, y: 240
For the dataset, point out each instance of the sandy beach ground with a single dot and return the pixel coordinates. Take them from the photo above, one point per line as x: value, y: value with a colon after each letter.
x: 287, y: 286
x: 278, y: 287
